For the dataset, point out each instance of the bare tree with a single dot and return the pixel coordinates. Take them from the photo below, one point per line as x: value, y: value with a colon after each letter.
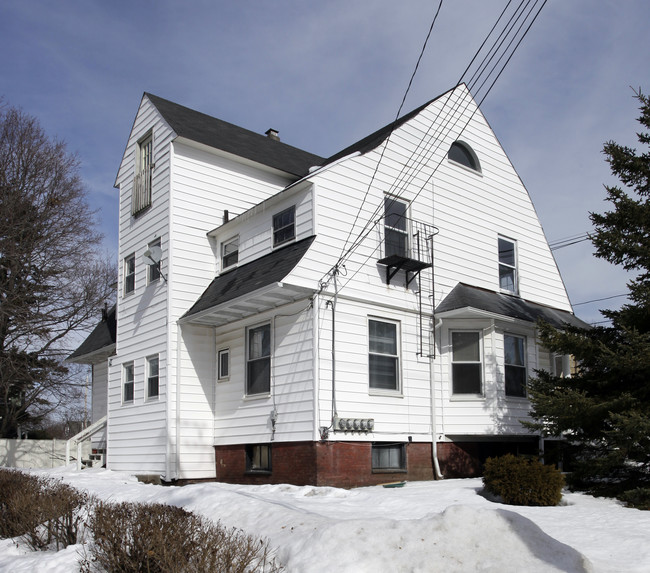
x: 53, y: 280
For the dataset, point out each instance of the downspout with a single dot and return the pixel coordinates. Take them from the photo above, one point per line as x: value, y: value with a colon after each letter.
x: 179, y: 331
x: 434, y: 421
x: 333, y: 303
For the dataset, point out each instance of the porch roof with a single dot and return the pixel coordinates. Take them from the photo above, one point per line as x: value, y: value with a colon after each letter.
x: 99, y: 344
x: 464, y: 298
x: 251, y: 288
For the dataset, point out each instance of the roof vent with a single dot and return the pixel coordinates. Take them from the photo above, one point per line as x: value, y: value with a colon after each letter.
x: 272, y: 134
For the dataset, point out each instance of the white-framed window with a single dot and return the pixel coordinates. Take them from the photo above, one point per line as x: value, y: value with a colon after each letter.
x: 223, y: 364
x: 508, y: 280
x: 461, y: 153
x: 383, y: 355
x: 284, y: 226
x: 141, y: 198
x: 129, y: 274
x: 466, y: 362
x: 515, y: 365
x: 153, y: 378
x: 389, y: 457
x: 258, y: 458
x: 258, y: 359
x: 230, y: 252
x: 395, y: 227
x: 153, y: 270
x: 127, y: 382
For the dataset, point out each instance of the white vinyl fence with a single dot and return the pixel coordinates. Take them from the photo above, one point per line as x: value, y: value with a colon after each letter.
x: 36, y: 453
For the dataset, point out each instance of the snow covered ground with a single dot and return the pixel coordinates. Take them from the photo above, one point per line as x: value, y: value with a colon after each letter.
x: 444, y: 526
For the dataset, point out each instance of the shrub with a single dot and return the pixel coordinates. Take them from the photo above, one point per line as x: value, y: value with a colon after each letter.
x: 45, y: 513
x: 523, y: 481
x: 638, y: 498
x: 159, y: 538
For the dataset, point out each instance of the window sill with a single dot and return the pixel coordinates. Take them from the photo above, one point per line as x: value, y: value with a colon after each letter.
x: 467, y: 397
x: 517, y: 398
x: 468, y: 169
x: 389, y: 471
x: 248, y: 397
x: 258, y: 472
x: 385, y: 393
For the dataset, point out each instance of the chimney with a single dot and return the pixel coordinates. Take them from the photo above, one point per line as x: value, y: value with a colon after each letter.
x: 272, y: 134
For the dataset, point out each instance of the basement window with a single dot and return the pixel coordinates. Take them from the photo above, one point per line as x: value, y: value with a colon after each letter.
x: 258, y: 458
x: 389, y: 457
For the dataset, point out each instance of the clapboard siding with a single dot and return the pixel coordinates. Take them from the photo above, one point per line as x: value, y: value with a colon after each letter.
x: 137, y: 431
x: 99, y: 397
x: 242, y: 419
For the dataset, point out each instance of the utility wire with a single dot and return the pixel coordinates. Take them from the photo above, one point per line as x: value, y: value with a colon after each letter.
x: 427, y: 151
x: 408, y: 88
x: 600, y: 299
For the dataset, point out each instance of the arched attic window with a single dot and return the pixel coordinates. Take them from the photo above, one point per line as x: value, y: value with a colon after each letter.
x: 463, y: 154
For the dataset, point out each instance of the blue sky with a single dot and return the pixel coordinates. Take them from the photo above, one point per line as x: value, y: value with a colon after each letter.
x: 326, y: 74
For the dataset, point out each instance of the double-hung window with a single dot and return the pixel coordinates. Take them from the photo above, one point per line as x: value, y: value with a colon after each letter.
x: 508, y: 265
x: 383, y: 355
x: 229, y: 253
x: 466, y: 363
x: 127, y: 382
x: 153, y: 270
x: 258, y: 360
x: 153, y: 381
x: 515, y: 365
x: 284, y: 226
x: 142, y: 181
x: 129, y: 274
x: 395, y: 227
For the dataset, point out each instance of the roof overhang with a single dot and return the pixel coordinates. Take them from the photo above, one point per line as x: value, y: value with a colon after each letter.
x: 466, y: 301
x: 94, y: 357
x: 270, y: 297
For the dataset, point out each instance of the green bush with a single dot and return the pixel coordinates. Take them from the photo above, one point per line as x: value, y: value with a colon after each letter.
x: 523, y: 481
x: 45, y: 513
x: 157, y: 538
x: 638, y: 498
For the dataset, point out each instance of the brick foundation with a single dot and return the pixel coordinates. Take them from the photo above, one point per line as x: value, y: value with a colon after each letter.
x: 336, y: 464
x: 349, y: 464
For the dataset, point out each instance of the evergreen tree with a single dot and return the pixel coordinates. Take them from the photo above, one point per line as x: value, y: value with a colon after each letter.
x: 603, y: 410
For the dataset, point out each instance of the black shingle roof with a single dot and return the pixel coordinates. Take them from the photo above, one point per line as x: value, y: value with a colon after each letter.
x: 252, y: 276
x: 463, y: 296
x: 219, y: 134
x: 102, y: 337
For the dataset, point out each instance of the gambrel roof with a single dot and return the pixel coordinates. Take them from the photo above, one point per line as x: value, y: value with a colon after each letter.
x: 203, y: 128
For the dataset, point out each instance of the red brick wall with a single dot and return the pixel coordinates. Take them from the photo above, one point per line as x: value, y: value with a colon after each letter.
x: 459, y: 459
x: 337, y: 464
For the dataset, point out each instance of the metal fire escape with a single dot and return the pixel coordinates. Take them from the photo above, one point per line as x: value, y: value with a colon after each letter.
x: 408, y: 246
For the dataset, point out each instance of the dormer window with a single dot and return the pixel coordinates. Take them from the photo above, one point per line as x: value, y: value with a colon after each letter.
x: 284, y: 226
x: 229, y: 253
x: 464, y: 155
x: 142, y: 181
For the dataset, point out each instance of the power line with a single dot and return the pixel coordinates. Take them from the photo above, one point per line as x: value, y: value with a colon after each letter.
x: 600, y: 299
x: 408, y: 88
x: 419, y: 158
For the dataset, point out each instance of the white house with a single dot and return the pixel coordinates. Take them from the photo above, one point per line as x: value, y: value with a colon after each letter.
x: 282, y: 317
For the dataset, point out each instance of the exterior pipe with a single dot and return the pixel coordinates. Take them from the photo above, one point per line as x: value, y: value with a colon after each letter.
x: 434, y: 445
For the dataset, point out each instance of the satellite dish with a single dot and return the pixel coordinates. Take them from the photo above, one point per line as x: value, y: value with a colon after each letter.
x: 152, y: 255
